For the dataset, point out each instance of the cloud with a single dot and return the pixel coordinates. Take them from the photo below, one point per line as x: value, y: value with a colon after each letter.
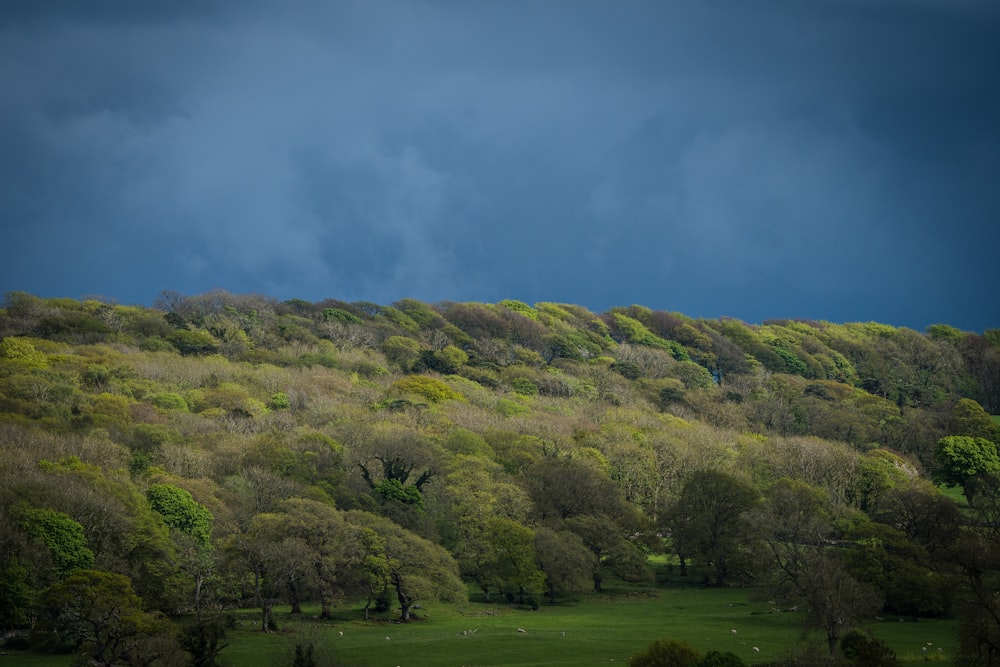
x: 691, y: 156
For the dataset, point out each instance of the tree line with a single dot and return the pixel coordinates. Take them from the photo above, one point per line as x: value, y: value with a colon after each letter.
x: 218, y: 451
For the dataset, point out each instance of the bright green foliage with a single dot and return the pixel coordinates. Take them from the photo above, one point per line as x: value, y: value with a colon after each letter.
x: 398, y: 317
x: 340, y: 315
x: 18, y: 354
x: 181, y: 511
x: 519, y: 307
x: 394, y: 490
x: 194, y: 342
x: 635, y: 332
x: 500, y: 557
x: 969, y: 418
x: 666, y: 653
x: 280, y: 401
x: 964, y: 460
x: 169, y: 401
x: 62, y: 536
x: 432, y: 389
x: 944, y: 332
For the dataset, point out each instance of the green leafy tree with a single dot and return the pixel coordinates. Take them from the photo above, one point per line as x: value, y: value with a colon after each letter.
x: 708, y: 521
x: 100, y: 615
x: 965, y: 461
x: 203, y: 639
x: 666, y: 653
x: 62, y: 536
x: 181, y: 511
x: 416, y: 568
x: 794, y: 527
x: 606, y: 540
x: 564, y: 560
x: 330, y: 544
x: 501, y: 557
x: 969, y: 418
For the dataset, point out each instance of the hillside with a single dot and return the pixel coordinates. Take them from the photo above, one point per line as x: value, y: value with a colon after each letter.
x: 222, y: 450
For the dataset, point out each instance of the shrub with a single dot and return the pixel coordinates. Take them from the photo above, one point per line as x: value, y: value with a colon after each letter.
x: 666, y: 653
x: 432, y: 389
x: 864, y: 651
x: 169, y: 401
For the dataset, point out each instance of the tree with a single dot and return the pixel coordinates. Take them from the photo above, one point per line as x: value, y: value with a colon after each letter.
x: 563, y: 487
x: 799, y: 565
x: 395, y: 453
x: 101, y: 616
x: 417, y: 569
x: 969, y: 418
x: 708, y: 522
x: 329, y: 542
x: 565, y: 561
x: 666, y: 653
x: 181, y: 511
x: 502, y: 558
x: 271, y: 557
x: 965, y: 461
x: 62, y: 536
x: 202, y: 639
x: 606, y: 540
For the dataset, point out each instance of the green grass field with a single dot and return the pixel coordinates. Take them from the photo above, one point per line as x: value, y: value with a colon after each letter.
x: 593, y: 629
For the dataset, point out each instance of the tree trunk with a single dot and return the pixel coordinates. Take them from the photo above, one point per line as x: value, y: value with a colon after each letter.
x: 293, y: 597
x: 405, y: 602
x: 265, y: 617
x: 326, y: 611
x: 368, y: 603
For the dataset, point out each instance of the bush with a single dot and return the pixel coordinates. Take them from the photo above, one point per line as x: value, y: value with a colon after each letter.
x: 864, y: 651
x: 666, y: 653
x: 432, y: 389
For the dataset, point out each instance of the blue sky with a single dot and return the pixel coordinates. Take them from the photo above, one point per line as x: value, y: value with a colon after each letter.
x: 820, y: 159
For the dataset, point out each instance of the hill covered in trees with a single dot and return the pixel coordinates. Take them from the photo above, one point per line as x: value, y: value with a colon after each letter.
x: 223, y: 450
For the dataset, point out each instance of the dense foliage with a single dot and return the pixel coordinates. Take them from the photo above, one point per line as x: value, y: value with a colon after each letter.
x: 226, y: 450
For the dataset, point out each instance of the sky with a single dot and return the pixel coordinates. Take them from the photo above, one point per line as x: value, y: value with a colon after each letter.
x: 830, y: 160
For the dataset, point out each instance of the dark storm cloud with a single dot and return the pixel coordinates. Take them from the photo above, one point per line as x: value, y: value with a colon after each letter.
x: 831, y: 159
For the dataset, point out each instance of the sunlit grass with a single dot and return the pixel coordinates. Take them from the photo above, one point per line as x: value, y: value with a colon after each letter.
x: 589, y: 629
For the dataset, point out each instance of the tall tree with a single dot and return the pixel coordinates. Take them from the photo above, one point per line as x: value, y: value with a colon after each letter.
x: 708, y: 521
x: 416, y: 568
x: 968, y: 462
x: 794, y: 526
x: 100, y: 614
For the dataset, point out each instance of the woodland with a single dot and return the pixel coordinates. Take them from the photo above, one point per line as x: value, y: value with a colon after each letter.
x: 160, y: 466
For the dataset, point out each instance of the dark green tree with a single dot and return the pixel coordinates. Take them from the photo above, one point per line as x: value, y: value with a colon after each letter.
x: 101, y: 617
x: 709, y: 523
x: 666, y: 653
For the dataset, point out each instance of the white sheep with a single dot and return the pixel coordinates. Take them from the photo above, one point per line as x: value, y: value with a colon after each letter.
x: 733, y: 631
x: 521, y: 630
x: 756, y: 650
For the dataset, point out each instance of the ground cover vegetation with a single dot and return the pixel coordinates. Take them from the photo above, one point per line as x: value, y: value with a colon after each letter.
x: 162, y: 467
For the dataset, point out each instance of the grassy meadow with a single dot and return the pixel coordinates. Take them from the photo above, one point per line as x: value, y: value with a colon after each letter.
x: 591, y: 629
